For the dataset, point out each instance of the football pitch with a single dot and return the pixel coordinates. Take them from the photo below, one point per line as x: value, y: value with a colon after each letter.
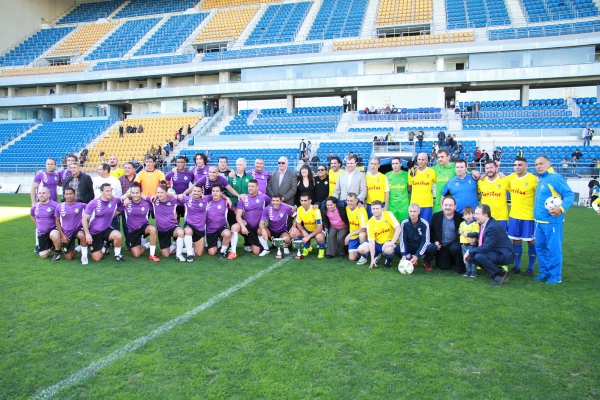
x: 256, y: 327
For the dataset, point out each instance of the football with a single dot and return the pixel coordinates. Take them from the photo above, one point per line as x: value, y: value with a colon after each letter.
x: 552, y: 202
x: 406, y: 267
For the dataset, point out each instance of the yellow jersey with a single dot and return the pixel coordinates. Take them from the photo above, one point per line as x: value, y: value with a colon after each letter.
x: 376, y: 187
x: 382, y: 230
x: 422, y: 187
x: 522, y: 196
x: 333, y: 177
x: 310, y: 218
x: 117, y: 173
x: 357, y: 219
x: 493, y: 193
x: 469, y: 227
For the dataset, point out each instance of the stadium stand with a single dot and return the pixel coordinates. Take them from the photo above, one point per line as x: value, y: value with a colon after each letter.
x: 399, y: 41
x: 556, y: 154
x: 88, y: 12
x: 572, y: 28
x: 401, y: 129
x: 32, y: 151
x: 263, y: 52
x: 208, y: 4
x: 420, y: 113
x: 9, y: 131
x: 227, y: 24
x: 553, y: 10
x: 172, y: 34
x: 401, y: 12
x: 138, y: 8
x: 83, y: 39
x: 46, y: 70
x: 123, y: 39
x: 34, y: 46
x: 461, y: 14
x: 144, y: 62
x: 337, y: 19
x: 156, y: 132
x: 280, y: 23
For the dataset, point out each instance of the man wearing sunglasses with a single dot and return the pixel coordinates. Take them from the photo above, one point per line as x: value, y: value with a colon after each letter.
x: 283, y: 183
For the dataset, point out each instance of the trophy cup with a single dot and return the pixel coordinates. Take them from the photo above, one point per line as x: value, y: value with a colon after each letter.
x: 278, y: 242
x: 297, y: 244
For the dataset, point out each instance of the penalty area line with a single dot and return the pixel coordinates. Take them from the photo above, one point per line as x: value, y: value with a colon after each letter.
x: 141, y: 341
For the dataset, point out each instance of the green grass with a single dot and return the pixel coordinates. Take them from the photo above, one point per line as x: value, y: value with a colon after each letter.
x: 308, y: 329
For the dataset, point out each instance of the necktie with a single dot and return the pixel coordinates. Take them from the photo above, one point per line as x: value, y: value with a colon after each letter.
x: 481, y: 235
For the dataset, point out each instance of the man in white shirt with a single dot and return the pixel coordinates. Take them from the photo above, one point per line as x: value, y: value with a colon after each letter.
x: 104, y: 176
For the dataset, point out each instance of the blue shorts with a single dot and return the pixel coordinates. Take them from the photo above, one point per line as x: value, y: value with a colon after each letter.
x: 353, y: 244
x: 379, y: 250
x: 519, y: 229
x: 503, y: 224
x: 427, y: 214
x: 369, y: 213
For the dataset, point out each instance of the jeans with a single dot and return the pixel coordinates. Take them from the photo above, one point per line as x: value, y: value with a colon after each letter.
x: 586, y: 141
x: 469, y: 266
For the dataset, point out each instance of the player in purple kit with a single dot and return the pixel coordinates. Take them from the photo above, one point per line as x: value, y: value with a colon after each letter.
x: 180, y: 181
x: 248, y: 214
x: 42, y: 215
x: 45, y: 178
x: 213, y: 178
x: 201, y: 166
x: 165, y: 205
x: 65, y: 173
x: 277, y: 215
x: 261, y: 175
x: 97, y: 219
x: 195, y: 222
x: 135, y: 209
x: 68, y: 223
x: 216, y: 223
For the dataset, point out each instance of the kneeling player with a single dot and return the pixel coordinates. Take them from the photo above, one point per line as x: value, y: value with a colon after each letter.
x: 68, y: 222
x: 97, y: 219
x: 308, y: 225
x: 42, y: 215
x: 195, y: 221
x: 277, y: 215
x: 383, y: 231
x: 248, y: 213
x: 357, y: 219
x: 216, y: 223
x: 136, y: 211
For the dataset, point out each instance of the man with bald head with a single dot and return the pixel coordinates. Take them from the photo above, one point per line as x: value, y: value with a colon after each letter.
x: 42, y: 215
x: 421, y: 180
x: 115, y: 170
x: 283, y: 182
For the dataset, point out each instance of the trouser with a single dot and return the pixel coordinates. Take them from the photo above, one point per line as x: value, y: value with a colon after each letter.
x: 491, y: 261
x: 448, y: 255
x: 548, y: 244
x: 469, y: 266
x: 335, y: 241
x: 429, y: 252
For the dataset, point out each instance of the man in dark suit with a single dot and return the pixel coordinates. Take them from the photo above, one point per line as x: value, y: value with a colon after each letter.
x: 495, y: 248
x: 283, y: 182
x: 444, y: 234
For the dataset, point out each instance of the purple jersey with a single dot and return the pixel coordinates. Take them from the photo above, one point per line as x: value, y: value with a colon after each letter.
x: 216, y: 215
x: 199, y: 172
x: 180, y: 181
x: 70, y: 217
x: 277, y: 218
x: 165, y: 213
x: 50, y: 181
x: 262, y: 178
x: 207, y: 184
x: 44, y: 216
x: 253, y: 208
x: 136, y: 214
x: 64, y: 174
x: 195, y: 212
x: 101, y: 214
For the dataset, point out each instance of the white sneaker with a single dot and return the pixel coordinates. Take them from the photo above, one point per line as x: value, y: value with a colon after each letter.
x: 361, y: 261
x: 264, y: 253
x: 84, y: 261
x: 78, y: 249
x: 248, y: 248
x: 286, y: 250
x: 180, y: 257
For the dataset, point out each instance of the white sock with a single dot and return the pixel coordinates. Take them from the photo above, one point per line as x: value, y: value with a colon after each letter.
x: 263, y: 243
x: 173, y: 247
x: 189, y: 245
x: 233, y: 244
x: 37, y: 241
x: 78, y: 249
x: 144, y: 241
x: 179, y: 245
x: 117, y: 251
x: 223, y: 249
x: 84, y: 252
x: 152, y: 249
x: 147, y: 245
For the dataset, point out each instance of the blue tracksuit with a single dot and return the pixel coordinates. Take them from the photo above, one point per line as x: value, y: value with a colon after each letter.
x: 548, y: 231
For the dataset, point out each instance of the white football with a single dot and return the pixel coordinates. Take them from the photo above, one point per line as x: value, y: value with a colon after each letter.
x: 552, y: 202
x: 406, y: 267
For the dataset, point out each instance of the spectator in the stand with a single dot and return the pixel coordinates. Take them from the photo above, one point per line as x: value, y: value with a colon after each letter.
x: 388, y: 138
x: 52, y: 91
x: 388, y: 110
x: 159, y: 151
x: 345, y: 103
x: 302, y: 148
x: 308, y: 149
x: 593, y: 166
x: 215, y: 107
x: 329, y: 157
x: 173, y: 161
x: 476, y: 109
x: 521, y: 153
x: 152, y: 150
x: 167, y: 149
x: 587, y: 135
x: 441, y: 138
x: 411, y: 136
x: 120, y: 130
x: 451, y: 143
x: 575, y: 160
x: 451, y: 103
x: 359, y: 160
x: 477, y: 155
x: 102, y: 154
x: 314, y: 161
x: 420, y: 138
x: 497, y: 155
x: 366, y: 110
x: 470, y: 111
x: 141, y: 129
x: 433, y: 156
x: 565, y: 165
x: 189, y: 130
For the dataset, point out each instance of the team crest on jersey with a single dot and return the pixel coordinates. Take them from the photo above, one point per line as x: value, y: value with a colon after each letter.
x: 281, y: 215
x: 326, y: 182
x: 168, y: 203
x: 143, y: 208
x: 499, y: 186
x: 469, y: 182
x: 56, y: 178
x: 77, y: 211
x: 386, y: 222
x: 201, y: 204
x: 526, y: 184
x: 457, y: 184
x: 185, y: 178
x: 219, y: 207
x: 419, y: 230
x: 257, y: 201
x: 109, y: 205
x: 49, y: 209
x: 246, y: 180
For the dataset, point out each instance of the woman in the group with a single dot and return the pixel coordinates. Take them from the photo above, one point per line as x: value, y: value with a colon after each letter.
x: 136, y: 211
x: 306, y: 184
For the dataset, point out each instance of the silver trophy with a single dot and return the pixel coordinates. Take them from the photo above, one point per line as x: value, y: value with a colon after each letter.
x: 278, y: 242
x: 297, y: 244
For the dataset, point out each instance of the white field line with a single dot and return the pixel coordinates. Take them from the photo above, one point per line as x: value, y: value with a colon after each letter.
x: 141, y: 341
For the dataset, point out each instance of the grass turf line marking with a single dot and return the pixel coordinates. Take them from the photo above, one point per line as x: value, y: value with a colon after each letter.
x: 139, y: 342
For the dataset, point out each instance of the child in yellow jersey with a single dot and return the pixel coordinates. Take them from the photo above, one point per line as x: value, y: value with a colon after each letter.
x: 308, y: 225
x: 469, y: 231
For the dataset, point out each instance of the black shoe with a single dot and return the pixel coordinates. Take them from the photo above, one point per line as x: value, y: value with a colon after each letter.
x: 190, y: 259
x: 499, y: 280
x: 514, y: 271
x: 119, y: 258
x: 329, y: 257
x: 529, y: 272
x: 56, y: 256
x: 388, y: 263
x: 222, y: 255
x: 36, y: 250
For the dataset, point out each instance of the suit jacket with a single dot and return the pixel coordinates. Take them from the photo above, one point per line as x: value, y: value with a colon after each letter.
x: 358, y: 186
x: 87, y: 187
x: 495, y: 239
x: 287, y: 189
x: 341, y: 209
x: 437, y: 226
